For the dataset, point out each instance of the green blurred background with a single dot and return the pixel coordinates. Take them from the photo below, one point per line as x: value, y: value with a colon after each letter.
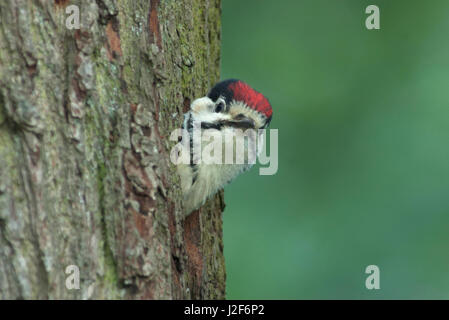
x: 363, y: 119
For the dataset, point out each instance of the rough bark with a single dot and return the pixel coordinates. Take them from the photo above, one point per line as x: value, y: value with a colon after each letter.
x: 85, y: 175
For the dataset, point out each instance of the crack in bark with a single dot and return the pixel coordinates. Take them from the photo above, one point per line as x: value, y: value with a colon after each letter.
x: 110, y: 263
x: 42, y: 274
x: 12, y: 276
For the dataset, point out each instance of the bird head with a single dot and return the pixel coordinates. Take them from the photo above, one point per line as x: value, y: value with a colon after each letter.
x: 232, y: 104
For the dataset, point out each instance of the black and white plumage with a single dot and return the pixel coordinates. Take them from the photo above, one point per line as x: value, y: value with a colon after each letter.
x: 230, y: 108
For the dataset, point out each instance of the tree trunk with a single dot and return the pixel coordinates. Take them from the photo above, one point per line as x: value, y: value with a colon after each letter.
x: 85, y: 174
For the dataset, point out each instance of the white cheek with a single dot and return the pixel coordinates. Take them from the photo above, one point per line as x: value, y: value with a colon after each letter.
x: 209, y: 117
x: 201, y: 105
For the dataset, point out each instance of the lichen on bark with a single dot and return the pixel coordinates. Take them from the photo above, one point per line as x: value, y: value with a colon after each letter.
x: 85, y: 176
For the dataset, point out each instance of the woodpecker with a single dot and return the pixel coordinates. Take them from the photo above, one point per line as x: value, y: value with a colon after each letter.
x: 230, y: 107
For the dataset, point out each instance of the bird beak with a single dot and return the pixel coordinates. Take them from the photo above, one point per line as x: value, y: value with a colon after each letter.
x: 239, y: 122
x: 242, y: 122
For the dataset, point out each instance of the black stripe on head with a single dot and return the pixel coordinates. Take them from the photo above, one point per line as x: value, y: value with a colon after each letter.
x: 190, y: 128
x: 221, y: 89
x: 244, y: 124
x: 212, y: 125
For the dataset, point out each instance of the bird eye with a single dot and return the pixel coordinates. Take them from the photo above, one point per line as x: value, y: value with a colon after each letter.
x: 219, y: 107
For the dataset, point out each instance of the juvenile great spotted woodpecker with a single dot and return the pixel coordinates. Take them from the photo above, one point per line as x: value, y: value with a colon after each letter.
x: 231, y: 107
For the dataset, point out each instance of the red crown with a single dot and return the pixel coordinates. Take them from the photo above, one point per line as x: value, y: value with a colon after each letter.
x: 257, y: 101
